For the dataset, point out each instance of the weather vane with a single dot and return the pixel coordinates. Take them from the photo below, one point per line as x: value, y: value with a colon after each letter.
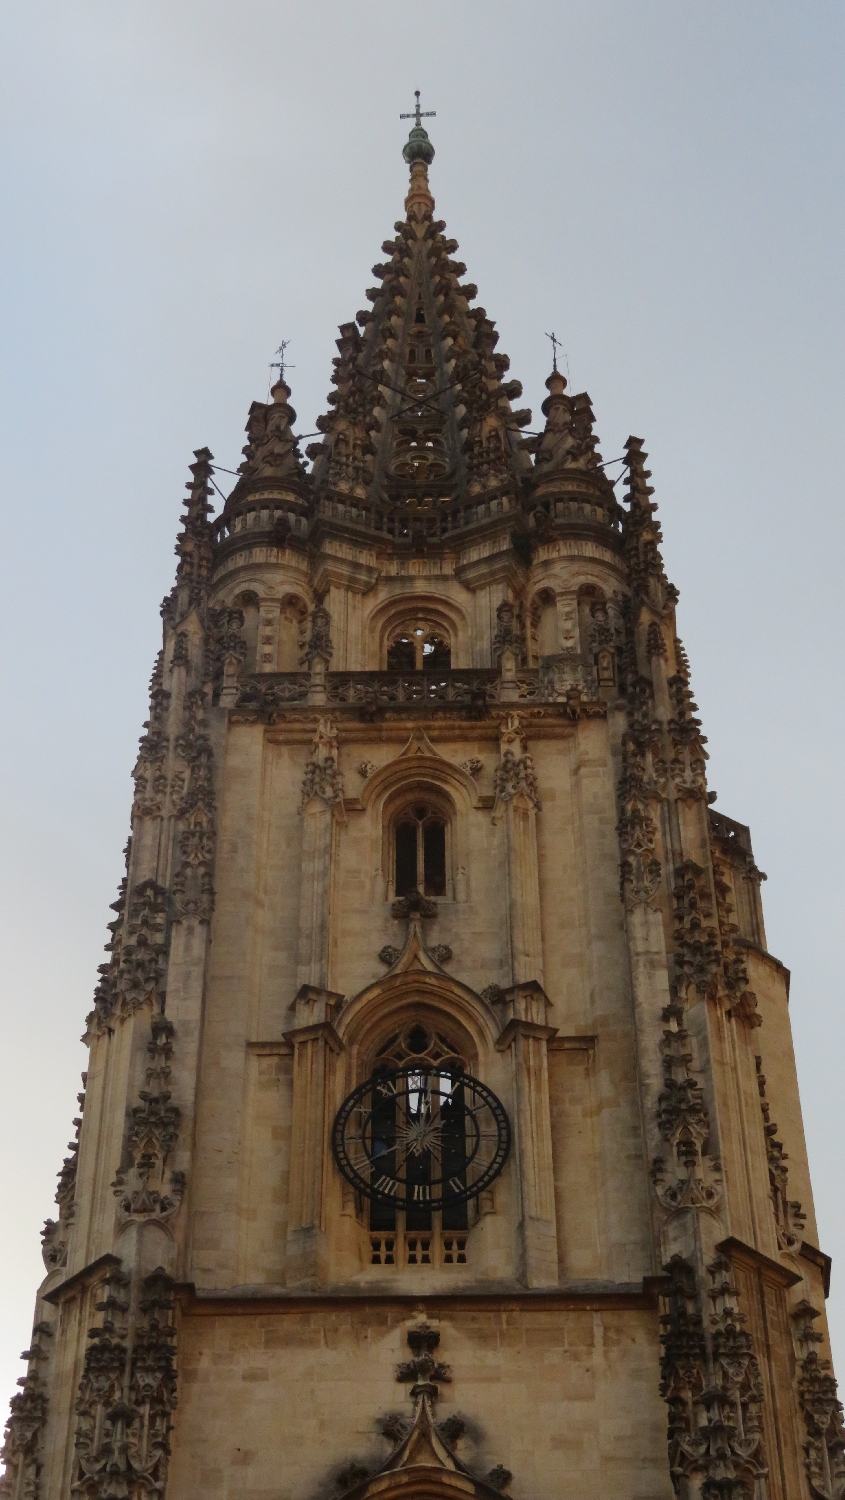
x: 281, y: 363
x: 418, y: 114
x: 555, y: 341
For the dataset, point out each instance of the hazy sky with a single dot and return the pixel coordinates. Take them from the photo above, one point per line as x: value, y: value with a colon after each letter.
x: 187, y: 182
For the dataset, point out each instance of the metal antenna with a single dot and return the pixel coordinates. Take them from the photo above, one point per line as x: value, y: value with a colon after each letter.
x: 281, y: 363
x: 418, y: 114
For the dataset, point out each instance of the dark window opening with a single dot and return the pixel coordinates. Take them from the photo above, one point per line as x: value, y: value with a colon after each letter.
x: 406, y: 858
x: 420, y: 853
x: 402, y: 656
x: 419, y: 316
x: 417, y: 1040
x: 434, y: 858
x: 437, y: 656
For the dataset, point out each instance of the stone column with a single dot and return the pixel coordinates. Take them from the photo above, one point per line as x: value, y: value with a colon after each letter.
x: 318, y: 652
x: 516, y: 809
x: 268, y: 630
x: 315, y: 1044
x: 526, y: 1036
x: 321, y: 807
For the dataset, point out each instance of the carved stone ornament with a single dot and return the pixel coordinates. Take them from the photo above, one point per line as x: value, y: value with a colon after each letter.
x: 22, y: 1451
x: 127, y: 1393
x: 422, y: 1445
x: 687, y: 1177
x: 422, y: 1370
x: 824, y: 1450
x: 712, y: 1385
x: 788, y: 1214
x: 509, y: 635
x: 322, y: 777
x: 319, y: 640
x: 142, y: 1186
x: 441, y: 953
x: 514, y: 776
x: 141, y: 950
x: 54, y: 1236
x: 413, y: 905
x: 193, y: 887
x: 640, y: 786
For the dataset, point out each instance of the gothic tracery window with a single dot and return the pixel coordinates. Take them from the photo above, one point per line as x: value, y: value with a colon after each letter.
x: 420, y: 1045
x: 419, y: 648
x: 419, y: 849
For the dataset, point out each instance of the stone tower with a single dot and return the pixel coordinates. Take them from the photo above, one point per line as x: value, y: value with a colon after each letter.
x: 428, y: 1145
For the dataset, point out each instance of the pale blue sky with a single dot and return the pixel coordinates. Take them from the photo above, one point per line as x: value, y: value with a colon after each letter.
x: 185, y: 182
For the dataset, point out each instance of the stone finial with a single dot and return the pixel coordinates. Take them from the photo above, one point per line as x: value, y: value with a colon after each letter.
x: 423, y: 1369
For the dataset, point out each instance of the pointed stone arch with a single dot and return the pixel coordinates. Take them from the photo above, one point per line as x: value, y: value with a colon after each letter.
x: 420, y: 761
x: 420, y: 771
x: 416, y: 986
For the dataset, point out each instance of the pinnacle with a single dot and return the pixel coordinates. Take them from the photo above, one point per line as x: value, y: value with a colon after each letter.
x: 271, y: 457
x: 639, y: 490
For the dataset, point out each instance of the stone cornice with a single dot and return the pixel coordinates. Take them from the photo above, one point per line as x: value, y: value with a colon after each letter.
x: 249, y: 1301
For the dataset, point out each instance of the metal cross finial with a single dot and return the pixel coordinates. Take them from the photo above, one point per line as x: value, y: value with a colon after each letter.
x: 419, y: 114
x: 281, y: 363
x: 555, y: 341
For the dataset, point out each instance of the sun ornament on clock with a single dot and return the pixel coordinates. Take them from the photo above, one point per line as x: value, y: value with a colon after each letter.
x: 421, y: 1137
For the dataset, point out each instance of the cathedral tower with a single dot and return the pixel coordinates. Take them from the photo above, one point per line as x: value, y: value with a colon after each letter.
x: 427, y: 1146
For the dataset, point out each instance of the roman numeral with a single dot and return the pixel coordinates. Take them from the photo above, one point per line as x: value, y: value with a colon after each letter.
x: 387, y: 1185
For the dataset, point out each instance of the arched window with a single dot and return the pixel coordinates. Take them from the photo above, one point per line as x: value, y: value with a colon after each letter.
x: 419, y: 648
x: 419, y: 849
x: 421, y: 1045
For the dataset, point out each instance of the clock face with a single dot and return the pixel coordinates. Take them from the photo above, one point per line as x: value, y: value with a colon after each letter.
x: 421, y: 1138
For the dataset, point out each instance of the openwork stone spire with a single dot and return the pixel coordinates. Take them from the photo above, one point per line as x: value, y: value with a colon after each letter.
x: 421, y: 414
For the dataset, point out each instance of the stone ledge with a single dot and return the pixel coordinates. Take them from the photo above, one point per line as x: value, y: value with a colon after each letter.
x: 578, y: 1296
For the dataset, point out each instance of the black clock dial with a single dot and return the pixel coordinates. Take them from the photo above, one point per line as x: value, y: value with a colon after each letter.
x: 421, y: 1138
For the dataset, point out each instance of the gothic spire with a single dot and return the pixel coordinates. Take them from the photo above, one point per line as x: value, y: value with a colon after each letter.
x: 420, y: 412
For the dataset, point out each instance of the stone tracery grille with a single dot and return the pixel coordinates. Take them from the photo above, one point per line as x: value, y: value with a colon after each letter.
x: 432, y: 1051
